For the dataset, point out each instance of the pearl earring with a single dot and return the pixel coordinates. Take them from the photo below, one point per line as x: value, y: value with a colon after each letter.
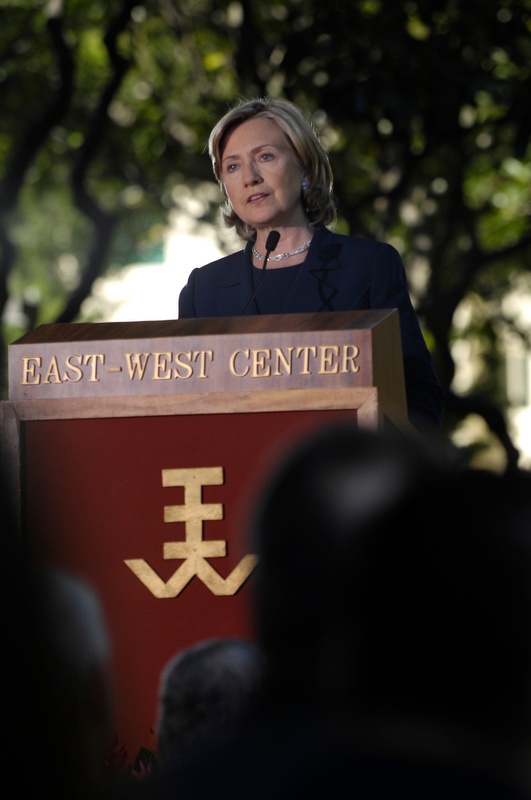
x: 304, y: 185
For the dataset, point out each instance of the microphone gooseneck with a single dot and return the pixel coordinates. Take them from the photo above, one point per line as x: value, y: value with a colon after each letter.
x: 271, y: 243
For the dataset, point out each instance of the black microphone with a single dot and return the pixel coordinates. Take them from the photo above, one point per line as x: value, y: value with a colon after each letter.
x: 271, y: 242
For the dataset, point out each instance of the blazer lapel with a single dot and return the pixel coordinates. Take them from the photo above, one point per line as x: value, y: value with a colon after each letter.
x: 313, y: 289
x: 236, y: 286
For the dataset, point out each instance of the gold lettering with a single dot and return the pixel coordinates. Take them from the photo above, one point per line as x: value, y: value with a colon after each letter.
x: 350, y: 353
x: 29, y: 367
x: 232, y: 363
x: 137, y: 363
x: 264, y: 363
x: 282, y: 361
x: 329, y: 365
x: 53, y: 376
x: 194, y: 511
x: 92, y: 361
x: 76, y: 369
x: 189, y: 569
x: 260, y: 369
x: 305, y: 353
x: 188, y: 370
x: 161, y: 372
x: 201, y: 356
x: 194, y: 550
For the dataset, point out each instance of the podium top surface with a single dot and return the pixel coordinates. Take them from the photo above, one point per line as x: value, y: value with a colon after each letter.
x: 265, y: 323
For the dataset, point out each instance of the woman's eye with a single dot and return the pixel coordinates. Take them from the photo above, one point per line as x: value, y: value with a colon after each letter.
x: 266, y: 156
x: 231, y: 167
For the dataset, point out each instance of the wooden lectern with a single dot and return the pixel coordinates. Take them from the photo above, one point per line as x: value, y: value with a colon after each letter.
x: 135, y: 451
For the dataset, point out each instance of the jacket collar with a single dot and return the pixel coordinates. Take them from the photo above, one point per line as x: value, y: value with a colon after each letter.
x: 310, y: 291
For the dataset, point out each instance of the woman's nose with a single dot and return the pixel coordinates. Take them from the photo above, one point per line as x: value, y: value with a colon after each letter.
x: 251, y: 174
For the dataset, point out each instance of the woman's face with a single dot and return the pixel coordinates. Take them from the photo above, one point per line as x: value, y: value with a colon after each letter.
x: 261, y: 175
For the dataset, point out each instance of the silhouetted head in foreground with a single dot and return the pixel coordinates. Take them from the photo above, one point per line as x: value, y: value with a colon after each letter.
x: 206, y: 691
x: 394, y: 593
x: 328, y: 491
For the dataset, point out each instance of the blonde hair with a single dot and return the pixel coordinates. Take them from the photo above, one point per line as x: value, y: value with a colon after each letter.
x: 318, y: 199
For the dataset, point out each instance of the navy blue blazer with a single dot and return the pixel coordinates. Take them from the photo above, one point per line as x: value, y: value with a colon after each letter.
x: 340, y: 273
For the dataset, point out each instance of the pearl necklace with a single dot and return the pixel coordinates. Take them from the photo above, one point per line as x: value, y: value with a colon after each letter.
x: 282, y: 256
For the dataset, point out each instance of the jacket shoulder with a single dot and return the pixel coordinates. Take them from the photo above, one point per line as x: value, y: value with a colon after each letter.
x: 342, y: 248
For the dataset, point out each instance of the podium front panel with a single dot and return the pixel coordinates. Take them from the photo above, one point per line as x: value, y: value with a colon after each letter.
x: 133, y: 452
x: 155, y: 492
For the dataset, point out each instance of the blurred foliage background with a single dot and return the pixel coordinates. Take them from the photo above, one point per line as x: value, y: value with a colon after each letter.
x: 424, y: 107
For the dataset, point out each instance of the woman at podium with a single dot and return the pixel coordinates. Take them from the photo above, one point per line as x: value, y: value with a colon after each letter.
x: 277, y: 183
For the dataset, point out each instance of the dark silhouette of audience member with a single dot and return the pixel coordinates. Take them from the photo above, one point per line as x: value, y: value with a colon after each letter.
x: 17, y: 655
x: 206, y: 691
x: 57, y: 703
x: 57, y: 699
x: 322, y: 493
x: 70, y: 722
x: 393, y: 606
